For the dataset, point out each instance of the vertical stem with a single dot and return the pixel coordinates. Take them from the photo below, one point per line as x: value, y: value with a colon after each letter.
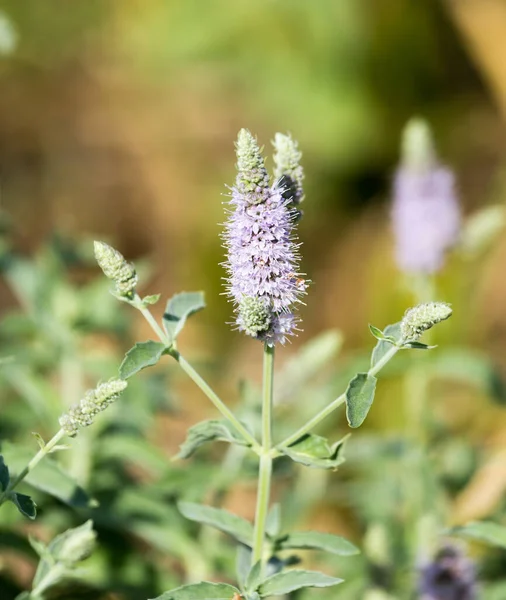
x: 265, y: 468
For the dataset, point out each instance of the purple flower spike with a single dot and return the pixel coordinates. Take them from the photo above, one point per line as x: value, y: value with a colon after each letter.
x: 425, y: 212
x: 262, y: 265
x: 451, y: 576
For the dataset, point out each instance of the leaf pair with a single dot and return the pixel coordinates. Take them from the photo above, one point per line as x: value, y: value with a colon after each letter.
x: 22, y: 502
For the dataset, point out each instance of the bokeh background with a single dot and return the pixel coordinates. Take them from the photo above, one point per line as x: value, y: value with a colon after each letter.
x: 117, y: 122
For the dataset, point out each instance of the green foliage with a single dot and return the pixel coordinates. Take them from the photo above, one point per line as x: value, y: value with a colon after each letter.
x: 24, y: 504
x: 314, y: 451
x: 484, y: 531
x: 359, y: 398
x: 141, y: 356
x: 315, y: 540
x: 390, y: 335
x: 178, y: 309
x: 206, y: 431
x: 289, y: 581
x: 201, y: 591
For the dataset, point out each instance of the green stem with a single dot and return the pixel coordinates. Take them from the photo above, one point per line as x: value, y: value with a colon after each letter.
x: 265, y: 468
x: 323, y: 414
x: 32, y: 464
x: 196, y: 378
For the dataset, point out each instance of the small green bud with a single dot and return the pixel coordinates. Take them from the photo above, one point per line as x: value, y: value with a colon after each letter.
x: 254, y: 315
x: 288, y: 170
x: 418, y: 319
x: 94, y: 401
x: 76, y: 544
x: 115, y: 267
x: 418, y: 150
x: 252, y: 177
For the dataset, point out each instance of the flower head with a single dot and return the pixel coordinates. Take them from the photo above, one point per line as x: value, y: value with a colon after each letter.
x: 451, y: 576
x: 95, y: 401
x: 115, y: 267
x: 288, y: 170
x: 425, y: 212
x: 418, y: 319
x: 262, y: 264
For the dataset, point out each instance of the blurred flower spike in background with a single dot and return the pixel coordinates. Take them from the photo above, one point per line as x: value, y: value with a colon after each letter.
x: 425, y: 213
x: 450, y: 576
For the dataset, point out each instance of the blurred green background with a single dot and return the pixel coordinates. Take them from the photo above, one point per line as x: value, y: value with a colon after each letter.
x: 117, y: 122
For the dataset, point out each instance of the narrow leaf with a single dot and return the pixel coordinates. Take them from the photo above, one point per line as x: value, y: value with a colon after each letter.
x: 153, y: 299
x: 273, y: 522
x: 418, y: 346
x: 391, y: 335
x: 24, y: 504
x: 47, y: 477
x: 179, y: 308
x: 359, y: 398
x: 142, y: 355
x: 377, y: 333
x: 242, y: 564
x: 223, y: 520
x: 254, y: 577
x: 315, y: 540
x: 201, y: 591
x: 315, y: 451
x: 4, y: 475
x: 207, y: 431
x: 485, y: 531
x: 288, y: 581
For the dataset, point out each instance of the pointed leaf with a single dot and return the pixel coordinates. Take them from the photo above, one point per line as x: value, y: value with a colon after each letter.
x: 142, y: 355
x: 201, y: 591
x: 242, y: 564
x: 178, y: 309
x: 207, y: 431
x: 24, y: 504
x: 39, y: 440
x: 316, y: 540
x: 273, y: 522
x: 377, y: 333
x: 153, y: 299
x: 418, y: 346
x: 223, y: 520
x: 47, y: 477
x: 391, y: 335
x: 485, y: 531
x: 288, y: 581
x: 359, y: 398
x: 315, y: 451
x: 4, y: 475
x: 254, y: 578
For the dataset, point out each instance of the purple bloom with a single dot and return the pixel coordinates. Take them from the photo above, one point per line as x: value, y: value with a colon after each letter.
x: 263, y: 279
x: 425, y: 211
x: 451, y: 576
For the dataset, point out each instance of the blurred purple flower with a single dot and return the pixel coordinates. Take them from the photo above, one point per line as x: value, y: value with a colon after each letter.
x: 451, y: 576
x: 425, y: 212
x: 262, y: 255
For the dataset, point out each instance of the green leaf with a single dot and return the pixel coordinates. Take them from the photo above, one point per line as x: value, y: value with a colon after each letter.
x: 254, y: 578
x: 377, y: 333
x: 149, y: 300
x: 207, y: 431
x: 391, y: 335
x: 223, y: 520
x: 359, y: 398
x: 242, y: 564
x: 24, y: 504
x: 40, y: 441
x: 315, y: 540
x: 4, y: 475
x: 418, y: 346
x: 485, y: 531
x: 179, y: 308
x: 201, y: 591
x: 142, y: 355
x: 315, y: 451
x: 288, y: 581
x: 47, y: 477
x: 273, y: 522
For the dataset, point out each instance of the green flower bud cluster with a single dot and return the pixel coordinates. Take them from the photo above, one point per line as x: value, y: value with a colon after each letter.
x: 418, y: 150
x: 115, y: 267
x: 252, y: 177
x: 418, y: 319
x: 288, y: 170
x: 95, y: 401
x: 254, y: 315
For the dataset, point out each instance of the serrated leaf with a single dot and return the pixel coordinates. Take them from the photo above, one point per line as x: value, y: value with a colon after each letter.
x: 4, y: 475
x: 359, y: 398
x: 391, y: 335
x: 47, y: 477
x: 24, y: 504
x: 150, y: 300
x: 225, y: 521
x: 289, y: 581
x: 207, y: 431
x: 201, y: 591
x: 315, y: 451
x: 179, y: 308
x: 377, y: 333
x: 418, y: 346
x: 316, y: 540
x: 142, y: 355
x: 484, y: 531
